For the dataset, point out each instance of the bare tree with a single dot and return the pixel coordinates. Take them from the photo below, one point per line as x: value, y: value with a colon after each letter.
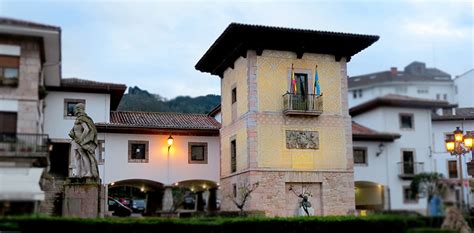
x: 242, y: 195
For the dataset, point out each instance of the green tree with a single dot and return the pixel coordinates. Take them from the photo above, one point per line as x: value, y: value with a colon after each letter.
x: 428, y: 185
x: 141, y: 100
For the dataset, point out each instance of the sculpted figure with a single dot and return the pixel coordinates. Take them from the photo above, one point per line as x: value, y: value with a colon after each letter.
x: 84, y: 142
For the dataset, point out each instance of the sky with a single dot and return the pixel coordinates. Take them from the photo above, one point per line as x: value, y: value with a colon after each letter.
x: 155, y: 44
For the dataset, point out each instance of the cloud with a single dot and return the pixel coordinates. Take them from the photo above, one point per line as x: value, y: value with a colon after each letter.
x: 155, y: 44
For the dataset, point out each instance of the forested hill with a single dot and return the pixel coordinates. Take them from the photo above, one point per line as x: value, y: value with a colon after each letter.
x: 141, y: 100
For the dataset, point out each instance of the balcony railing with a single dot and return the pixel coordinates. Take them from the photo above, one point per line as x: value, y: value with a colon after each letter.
x: 19, y: 144
x: 295, y: 104
x: 407, y: 170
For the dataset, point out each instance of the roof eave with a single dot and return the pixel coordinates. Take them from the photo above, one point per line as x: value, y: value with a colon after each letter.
x: 376, y: 137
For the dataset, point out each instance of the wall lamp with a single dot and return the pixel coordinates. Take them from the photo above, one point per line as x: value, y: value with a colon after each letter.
x: 170, y: 142
x: 381, y: 147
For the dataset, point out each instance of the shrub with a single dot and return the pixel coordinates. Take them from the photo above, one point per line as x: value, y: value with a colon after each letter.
x: 430, y: 230
x: 388, y: 224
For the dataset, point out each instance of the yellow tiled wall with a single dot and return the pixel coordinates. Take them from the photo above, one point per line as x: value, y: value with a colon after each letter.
x: 273, y: 72
x: 234, y: 77
x: 272, y: 81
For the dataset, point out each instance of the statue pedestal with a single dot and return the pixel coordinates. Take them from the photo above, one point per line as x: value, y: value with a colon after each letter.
x: 81, y: 197
x: 301, y: 211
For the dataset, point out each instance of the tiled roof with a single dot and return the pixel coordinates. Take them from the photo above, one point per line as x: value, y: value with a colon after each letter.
x: 238, y: 38
x: 88, y: 86
x: 362, y: 133
x: 460, y: 114
x: 394, y: 100
x: 18, y: 22
x: 427, y: 75
x: 162, y: 120
x: 216, y: 110
x: 77, y: 82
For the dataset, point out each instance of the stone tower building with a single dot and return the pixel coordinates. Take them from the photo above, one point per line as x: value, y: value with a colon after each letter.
x: 277, y: 129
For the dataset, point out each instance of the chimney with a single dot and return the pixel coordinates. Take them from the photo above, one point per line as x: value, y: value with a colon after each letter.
x: 393, y: 72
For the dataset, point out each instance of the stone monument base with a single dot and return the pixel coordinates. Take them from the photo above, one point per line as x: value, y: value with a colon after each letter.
x: 82, y: 197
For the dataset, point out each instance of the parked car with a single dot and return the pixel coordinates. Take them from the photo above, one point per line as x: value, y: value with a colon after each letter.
x: 138, y: 205
x: 189, y: 202
x: 118, y: 208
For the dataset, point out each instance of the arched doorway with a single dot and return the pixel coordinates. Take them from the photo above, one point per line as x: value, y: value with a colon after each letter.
x: 369, y: 196
x: 140, y: 195
x: 196, y: 195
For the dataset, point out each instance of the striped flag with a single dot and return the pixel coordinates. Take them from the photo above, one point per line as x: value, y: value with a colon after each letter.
x: 293, y: 80
x: 317, y: 89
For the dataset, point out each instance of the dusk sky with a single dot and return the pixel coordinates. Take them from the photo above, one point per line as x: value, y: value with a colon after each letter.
x: 155, y: 44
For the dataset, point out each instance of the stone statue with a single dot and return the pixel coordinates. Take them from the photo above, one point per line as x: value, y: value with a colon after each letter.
x: 84, y: 142
x: 305, y: 206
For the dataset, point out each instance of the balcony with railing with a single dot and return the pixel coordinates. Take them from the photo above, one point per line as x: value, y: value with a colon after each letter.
x: 407, y: 170
x: 296, y: 104
x: 23, y: 145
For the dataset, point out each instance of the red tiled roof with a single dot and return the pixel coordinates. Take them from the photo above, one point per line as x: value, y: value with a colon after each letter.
x: 362, y: 133
x: 162, y: 120
x: 393, y: 100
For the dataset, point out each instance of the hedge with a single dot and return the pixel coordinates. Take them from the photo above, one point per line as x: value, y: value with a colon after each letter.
x: 430, y: 230
x: 388, y: 224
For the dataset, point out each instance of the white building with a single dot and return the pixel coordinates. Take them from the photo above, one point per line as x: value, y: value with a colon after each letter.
x: 137, y: 154
x: 416, y: 81
x: 443, y: 123
x: 464, y: 84
x: 133, y: 150
x: 398, y: 161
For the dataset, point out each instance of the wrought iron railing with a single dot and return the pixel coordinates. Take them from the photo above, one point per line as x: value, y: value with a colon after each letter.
x: 409, y: 169
x: 309, y: 103
x: 23, y: 144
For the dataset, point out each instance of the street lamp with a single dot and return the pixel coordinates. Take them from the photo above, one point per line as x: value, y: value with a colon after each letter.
x: 170, y: 143
x: 459, y: 144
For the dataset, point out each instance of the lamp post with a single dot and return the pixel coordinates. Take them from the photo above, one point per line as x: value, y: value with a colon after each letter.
x: 170, y: 143
x: 459, y: 144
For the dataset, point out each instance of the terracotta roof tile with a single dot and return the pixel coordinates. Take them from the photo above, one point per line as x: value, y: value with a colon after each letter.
x: 162, y: 120
x: 460, y: 114
x: 362, y: 133
x: 394, y: 100
x: 428, y: 75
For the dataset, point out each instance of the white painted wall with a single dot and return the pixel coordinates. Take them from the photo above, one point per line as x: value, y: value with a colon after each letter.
x: 20, y: 184
x: 442, y: 156
x: 57, y: 126
x: 375, y: 164
x: 464, y: 85
x: 403, y: 88
x: 218, y: 117
x: 386, y: 119
x: 117, y: 167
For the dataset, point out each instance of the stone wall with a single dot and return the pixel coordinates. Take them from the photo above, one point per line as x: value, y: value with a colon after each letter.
x: 332, y: 191
x: 26, y: 93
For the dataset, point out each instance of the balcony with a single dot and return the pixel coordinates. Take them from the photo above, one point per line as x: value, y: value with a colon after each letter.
x: 306, y: 105
x: 407, y: 170
x: 23, y: 145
